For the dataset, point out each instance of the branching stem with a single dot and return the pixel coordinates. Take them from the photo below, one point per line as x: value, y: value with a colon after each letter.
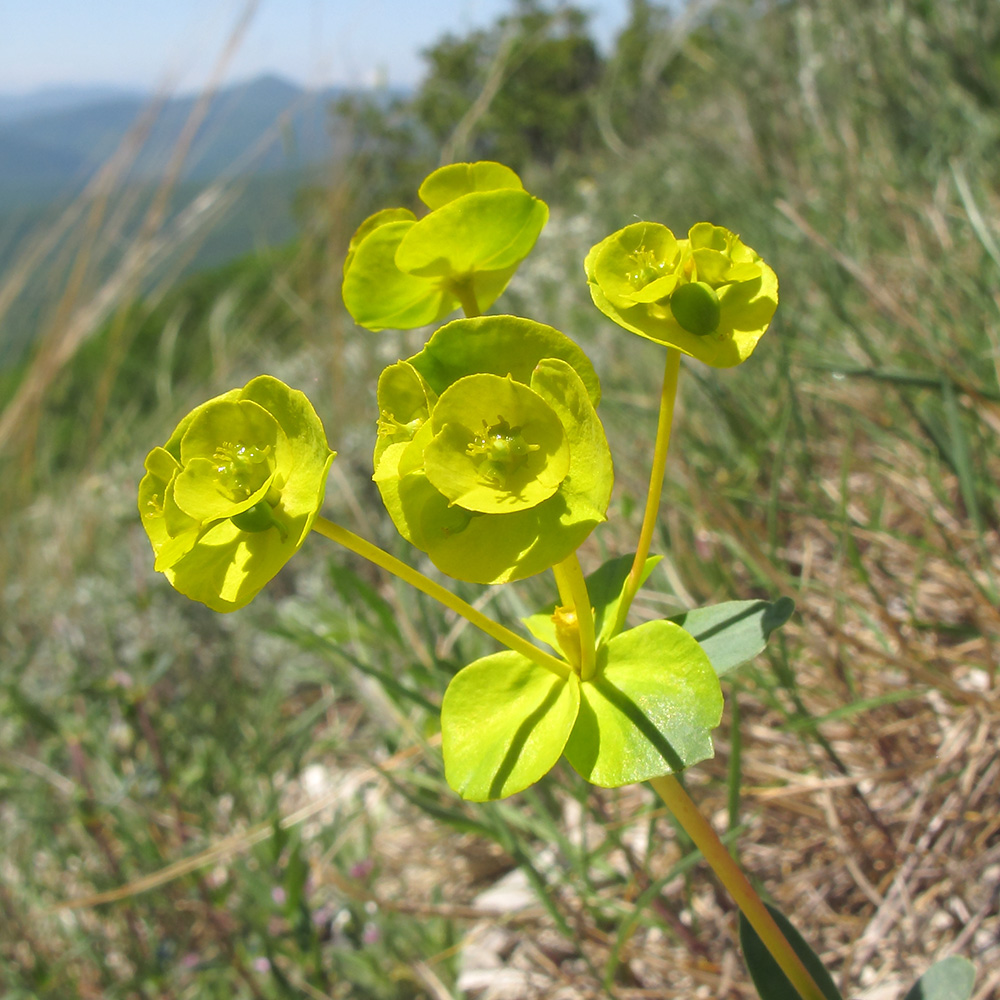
x: 389, y: 563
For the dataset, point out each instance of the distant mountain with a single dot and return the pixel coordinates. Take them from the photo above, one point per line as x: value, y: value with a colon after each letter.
x: 38, y: 102
x: 262, y: 126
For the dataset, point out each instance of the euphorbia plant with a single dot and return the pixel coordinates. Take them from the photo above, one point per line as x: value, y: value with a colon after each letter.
x: 490, y: 458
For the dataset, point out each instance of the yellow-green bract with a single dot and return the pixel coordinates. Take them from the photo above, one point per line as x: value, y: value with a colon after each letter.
x: 490, y: 455
x: 402, y: 272
x: 710, y: 295
x: 231, y: 496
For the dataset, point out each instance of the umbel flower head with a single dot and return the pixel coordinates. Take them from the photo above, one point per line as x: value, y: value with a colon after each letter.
x: 490, y: 455
x: 710, y: 295
x: 231, y: 496
x: 404, y: 273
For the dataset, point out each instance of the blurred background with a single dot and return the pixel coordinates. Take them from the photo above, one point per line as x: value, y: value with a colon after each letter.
x: 253, y: 805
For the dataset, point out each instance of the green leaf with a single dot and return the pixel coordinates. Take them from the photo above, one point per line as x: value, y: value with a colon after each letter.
x: 950, y: 979
x: 734, y: 632
x: 456, y: 179
x: 771, y: 982
x: 371, y: 224
x: 499, y: 345
x: 379, y: 295
x: 504, y: 723
x: 481, y: 231
x: 605, y: 587
x: 649, y: 709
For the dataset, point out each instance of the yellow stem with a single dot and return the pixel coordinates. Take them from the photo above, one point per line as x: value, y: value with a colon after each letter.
x: 738, y: 886
x: 573, y: 593
x: 427, y: 586
x: 668, y: 397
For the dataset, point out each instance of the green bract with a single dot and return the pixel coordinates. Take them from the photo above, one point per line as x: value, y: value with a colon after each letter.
x: 230, y: 497
x: 648, y: 711
x: 490, y: 455
x: 405, y: 273
x: 710, y: 295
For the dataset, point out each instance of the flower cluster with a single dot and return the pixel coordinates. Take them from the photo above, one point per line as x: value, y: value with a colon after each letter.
x: 404, y: 273
x: 230, y: 497
x: 490, y: 456
x: 710, y: 295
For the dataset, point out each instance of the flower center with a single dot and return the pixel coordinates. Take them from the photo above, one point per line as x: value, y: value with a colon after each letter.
x: 503, y: 450
x: 241, y: 468
x: 647, y: 268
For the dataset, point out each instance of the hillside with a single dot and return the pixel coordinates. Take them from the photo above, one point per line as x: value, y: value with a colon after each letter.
x: 262, y: 126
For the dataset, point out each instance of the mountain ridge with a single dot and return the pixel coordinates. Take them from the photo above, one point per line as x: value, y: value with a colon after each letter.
x: 262, y: 125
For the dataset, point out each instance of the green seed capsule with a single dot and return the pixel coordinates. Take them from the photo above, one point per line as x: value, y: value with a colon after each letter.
x: 259, y: 517
x: 696, y: 308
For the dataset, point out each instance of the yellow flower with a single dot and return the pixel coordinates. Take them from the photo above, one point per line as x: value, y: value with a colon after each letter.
x: 231, y: 496
x: 711, y: 296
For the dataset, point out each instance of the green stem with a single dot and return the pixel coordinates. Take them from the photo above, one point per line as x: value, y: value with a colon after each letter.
x: 731, y: 876
x: 466, y: 296
x: 668, y: 397
x: 382, y: 559
x: 573, y: 594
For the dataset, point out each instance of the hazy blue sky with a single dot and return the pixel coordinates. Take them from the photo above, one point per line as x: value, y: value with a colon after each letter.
x: 145, y: 43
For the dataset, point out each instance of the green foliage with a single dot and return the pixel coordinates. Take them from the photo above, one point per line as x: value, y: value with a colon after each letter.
x: 541, y: 69
x: 952, y: 978
x: 504, y: 724
x: 864, y: 428
x: 771, y: 982
x: 734, y: 632
x: 649, y: 709
x: 404, y: 273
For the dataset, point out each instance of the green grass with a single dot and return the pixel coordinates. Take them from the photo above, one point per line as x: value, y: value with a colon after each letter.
x: 851, y: 464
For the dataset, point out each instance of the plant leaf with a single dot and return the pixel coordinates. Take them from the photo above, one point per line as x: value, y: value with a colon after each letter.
x: 452, y: 181
x: 734, y: 632
x: 648, y: 710
x: 504, y: 724
x: 481, y: 231
x: 950, y: 979
x: 771, y: 982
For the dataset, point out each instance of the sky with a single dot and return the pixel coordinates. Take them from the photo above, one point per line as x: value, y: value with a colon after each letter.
x: 176, y: 44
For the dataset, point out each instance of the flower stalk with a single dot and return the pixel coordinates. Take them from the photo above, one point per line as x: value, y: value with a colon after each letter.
x: 736, y: 883
x: 668, y: 398
x: 389, y: 563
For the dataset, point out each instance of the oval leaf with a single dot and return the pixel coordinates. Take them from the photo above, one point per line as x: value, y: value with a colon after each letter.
x: 649, y: 709
x: 950, y: 979
x: 451, y: 182
x: 504, y: 723
x: 735, y: 632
